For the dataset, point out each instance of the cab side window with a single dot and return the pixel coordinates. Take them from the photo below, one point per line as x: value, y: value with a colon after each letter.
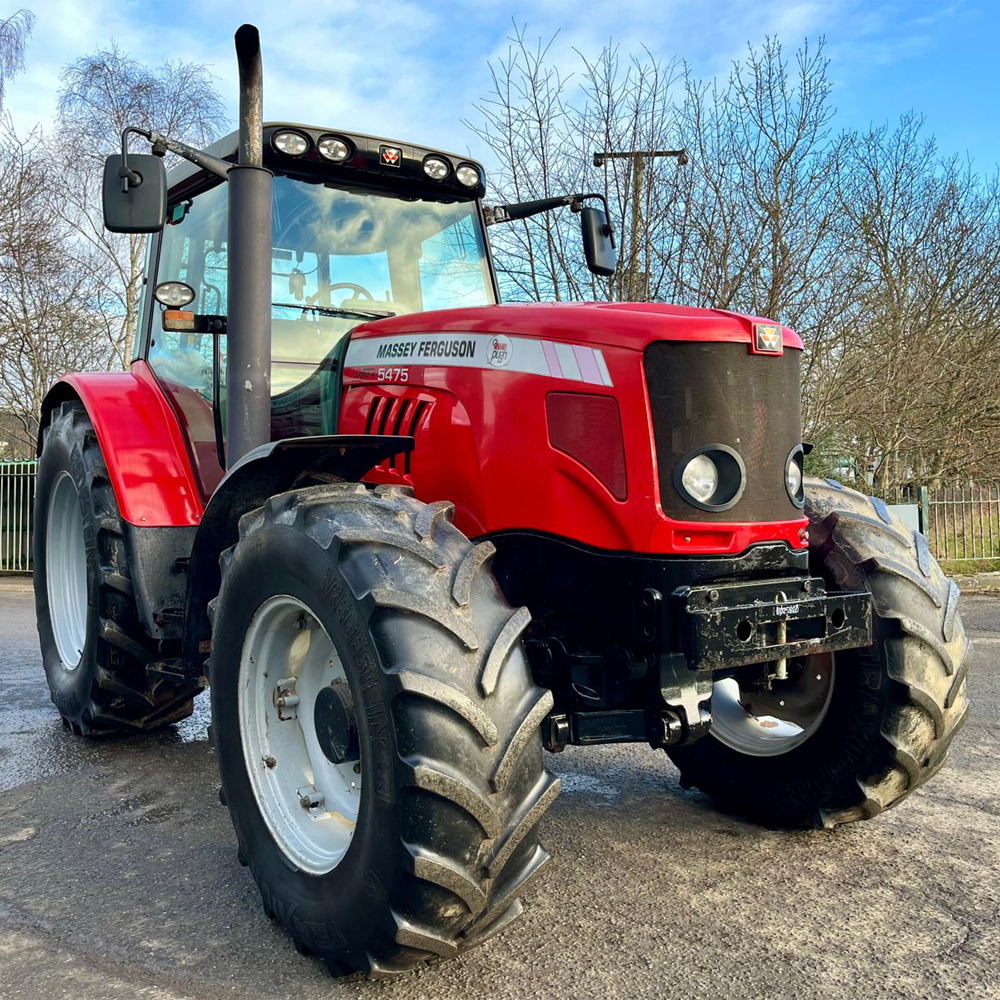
x: 193, y: 250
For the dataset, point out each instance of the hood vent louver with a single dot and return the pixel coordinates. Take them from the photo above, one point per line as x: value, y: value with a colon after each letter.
x: 399, y: 416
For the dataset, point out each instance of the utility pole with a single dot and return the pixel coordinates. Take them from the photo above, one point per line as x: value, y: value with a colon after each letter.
x: 637, y: 288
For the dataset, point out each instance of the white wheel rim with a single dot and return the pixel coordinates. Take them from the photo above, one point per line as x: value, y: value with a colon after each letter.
x: 775, y: 722
x: 66, y: 571
x: 288, y: 655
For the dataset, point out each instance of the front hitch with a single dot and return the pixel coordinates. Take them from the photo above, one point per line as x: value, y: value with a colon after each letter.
x: 735, y: 624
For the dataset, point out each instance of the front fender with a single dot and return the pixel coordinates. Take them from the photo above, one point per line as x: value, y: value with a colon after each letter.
x: 264, y: 472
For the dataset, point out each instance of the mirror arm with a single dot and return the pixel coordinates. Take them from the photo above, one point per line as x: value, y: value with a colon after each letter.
x: 129, y: 176
x: 206, y: 161
x: 162, y: 143
x: 525, y: 209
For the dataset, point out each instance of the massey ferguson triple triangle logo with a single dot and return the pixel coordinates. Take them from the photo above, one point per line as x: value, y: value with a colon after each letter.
x: 767, y: 338
x: 391, y: 156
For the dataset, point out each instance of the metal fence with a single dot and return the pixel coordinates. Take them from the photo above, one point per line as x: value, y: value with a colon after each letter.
x: 17, y: 497
x: 962, y: 523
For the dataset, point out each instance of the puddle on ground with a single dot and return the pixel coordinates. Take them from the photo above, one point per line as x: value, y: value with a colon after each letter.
x: 34, y: 745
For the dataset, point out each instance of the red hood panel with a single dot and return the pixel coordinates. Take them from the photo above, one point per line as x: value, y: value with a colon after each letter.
x: 617, y: 324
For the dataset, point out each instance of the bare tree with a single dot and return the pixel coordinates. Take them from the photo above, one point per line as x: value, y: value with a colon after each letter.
x: 544, y: 130
x: 48, y: 323
x: 915, y: 385
x: 101, y: 94
x: 14, y: 33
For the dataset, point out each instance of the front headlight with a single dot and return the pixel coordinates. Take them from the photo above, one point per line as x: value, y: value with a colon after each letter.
x: 701, y: 478
x: 711, y: 478
x: 793, y: 476
x: 436, y: 168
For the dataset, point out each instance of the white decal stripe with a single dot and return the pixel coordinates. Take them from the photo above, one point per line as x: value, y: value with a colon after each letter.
x: 567, y: 362
x: 603, y: 366
x: 474, y: 350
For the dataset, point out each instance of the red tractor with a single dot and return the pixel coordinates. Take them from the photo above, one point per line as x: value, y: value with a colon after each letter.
x: 411, y: 537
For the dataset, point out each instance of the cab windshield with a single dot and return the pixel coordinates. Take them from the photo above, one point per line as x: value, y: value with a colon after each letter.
x: 340, y: 256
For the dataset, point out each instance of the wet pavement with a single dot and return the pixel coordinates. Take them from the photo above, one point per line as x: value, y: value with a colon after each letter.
x: 118, y: 876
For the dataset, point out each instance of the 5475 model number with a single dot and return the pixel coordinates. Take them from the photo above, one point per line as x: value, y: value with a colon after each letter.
x: 384, y: 374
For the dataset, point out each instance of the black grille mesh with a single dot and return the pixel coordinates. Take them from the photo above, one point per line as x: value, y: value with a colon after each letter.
x: 719, y: 393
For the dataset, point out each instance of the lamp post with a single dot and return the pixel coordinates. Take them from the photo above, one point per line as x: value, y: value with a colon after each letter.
x: 638, y: 280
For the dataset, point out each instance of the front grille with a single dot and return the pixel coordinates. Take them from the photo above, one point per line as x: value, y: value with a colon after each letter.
x: 704, y: 393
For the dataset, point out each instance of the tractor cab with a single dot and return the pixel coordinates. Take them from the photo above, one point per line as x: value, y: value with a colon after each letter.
x: 362, y: 229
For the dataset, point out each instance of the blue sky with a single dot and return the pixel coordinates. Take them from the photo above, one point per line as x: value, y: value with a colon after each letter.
x: 412, y: 70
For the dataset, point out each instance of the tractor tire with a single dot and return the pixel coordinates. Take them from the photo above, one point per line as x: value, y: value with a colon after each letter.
x: 447, y: 727
x: 895, y: 706
x: 94, y: 648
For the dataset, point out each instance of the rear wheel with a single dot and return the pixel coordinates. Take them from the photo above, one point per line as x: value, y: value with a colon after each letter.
x: 377, y: 727
x: 94, y: 647
x: 847, y: 735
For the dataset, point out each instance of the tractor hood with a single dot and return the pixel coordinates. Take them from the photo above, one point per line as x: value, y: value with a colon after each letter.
x: 614, y: 324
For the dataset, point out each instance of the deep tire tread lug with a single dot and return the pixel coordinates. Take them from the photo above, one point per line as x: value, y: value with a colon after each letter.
x: 468, y: 571
x: 509, y: 635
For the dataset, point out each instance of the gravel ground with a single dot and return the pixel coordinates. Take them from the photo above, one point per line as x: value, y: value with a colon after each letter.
x: 118, y: 876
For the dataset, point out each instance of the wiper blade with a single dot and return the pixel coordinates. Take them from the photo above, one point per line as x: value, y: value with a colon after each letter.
x: 336, y: 310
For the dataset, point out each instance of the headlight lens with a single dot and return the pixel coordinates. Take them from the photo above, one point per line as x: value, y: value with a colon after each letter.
x: 290, y: 143
x: 793, y: 478
x: 467, y: 175
x: 333, y: 148
x: 701, y: 478
x: 793, y: 475
x: 173, y: 294
x: 436, y: 168
x: 711, y: 478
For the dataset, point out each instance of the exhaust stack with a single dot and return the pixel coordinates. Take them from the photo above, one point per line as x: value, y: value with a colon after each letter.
x: 248, y: 298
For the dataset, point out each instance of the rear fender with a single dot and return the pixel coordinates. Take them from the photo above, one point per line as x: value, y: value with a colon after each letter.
x: 264, y: 472
x: 141, y: 442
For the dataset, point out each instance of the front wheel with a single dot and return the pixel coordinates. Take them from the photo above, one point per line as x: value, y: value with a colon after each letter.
x: 852, y: 733
x: 377, y: 727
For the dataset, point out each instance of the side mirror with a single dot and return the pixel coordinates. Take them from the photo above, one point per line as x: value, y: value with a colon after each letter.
x: 598, y: 242
x: 142, y: 208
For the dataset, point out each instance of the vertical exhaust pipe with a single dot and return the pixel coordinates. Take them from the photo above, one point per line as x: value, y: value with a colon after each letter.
x: 248, y: 294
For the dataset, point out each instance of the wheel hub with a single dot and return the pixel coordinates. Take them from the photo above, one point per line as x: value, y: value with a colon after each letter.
x: 336, y: 725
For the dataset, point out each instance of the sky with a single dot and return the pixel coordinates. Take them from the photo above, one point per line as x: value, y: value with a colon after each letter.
x: 414, y: 70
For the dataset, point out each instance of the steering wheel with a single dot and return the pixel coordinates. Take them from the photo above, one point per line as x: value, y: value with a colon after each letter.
x: 359, y: 290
